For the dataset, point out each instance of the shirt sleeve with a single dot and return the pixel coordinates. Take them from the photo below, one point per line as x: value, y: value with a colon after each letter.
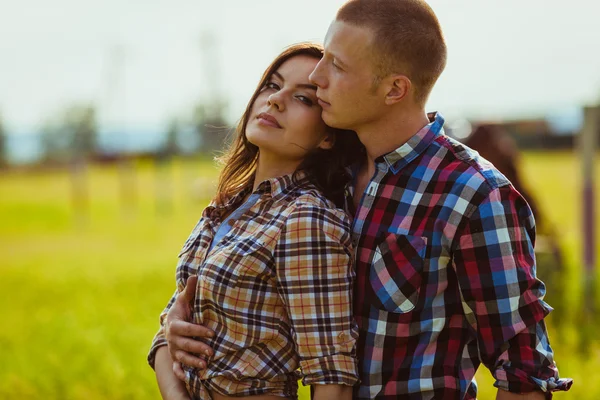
x: 160, y: 339
x: 315, y: 275
x: 182, y: 272
x: 502, y: 298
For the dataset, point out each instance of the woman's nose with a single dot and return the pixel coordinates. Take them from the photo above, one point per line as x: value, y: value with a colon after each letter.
x: 276, y: 101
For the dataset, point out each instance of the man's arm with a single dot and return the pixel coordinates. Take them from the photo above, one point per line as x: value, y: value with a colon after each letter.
x: 502, y: 298
x: 180, y: 333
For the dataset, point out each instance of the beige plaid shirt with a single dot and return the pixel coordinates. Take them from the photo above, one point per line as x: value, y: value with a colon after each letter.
x: 277, y: 292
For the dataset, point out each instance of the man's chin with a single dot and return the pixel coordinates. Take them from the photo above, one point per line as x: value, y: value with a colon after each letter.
x: 331, y: 120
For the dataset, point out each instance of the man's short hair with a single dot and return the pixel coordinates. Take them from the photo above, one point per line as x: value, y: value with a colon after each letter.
x: 408, y: 39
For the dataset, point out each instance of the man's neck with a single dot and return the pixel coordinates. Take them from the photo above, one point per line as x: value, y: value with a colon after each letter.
x: 382, y: 137
x: 390, y: 132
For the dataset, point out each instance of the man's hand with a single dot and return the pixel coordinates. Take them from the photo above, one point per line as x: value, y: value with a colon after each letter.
x: 180, y: 333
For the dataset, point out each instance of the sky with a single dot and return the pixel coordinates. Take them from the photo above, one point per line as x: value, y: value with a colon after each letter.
x: 145, y: 62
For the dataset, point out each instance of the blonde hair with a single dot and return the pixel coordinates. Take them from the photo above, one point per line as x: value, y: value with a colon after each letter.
x: 408, y: 39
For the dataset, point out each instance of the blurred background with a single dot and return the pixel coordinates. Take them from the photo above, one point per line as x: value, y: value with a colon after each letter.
x: 111, y: 113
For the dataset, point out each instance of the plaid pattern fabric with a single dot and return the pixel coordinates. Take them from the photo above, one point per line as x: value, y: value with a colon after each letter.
x: 446, y: 277
x: 277, y: 292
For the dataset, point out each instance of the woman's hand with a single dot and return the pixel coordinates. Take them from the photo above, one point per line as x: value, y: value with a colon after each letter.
x: 180, y: 333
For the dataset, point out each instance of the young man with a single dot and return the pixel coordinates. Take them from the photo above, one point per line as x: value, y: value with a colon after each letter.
x: 445, y: 262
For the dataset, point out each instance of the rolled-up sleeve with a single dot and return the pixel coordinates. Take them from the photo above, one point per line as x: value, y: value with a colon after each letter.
x: 315, y: 276
x: 183, y: 271
x: 502, y: 298
x: 160, y: 339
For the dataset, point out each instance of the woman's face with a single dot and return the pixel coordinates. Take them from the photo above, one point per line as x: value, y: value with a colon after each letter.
x: 285, y: 120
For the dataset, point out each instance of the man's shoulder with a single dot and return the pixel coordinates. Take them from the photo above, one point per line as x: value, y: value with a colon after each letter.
x: 466, y: 166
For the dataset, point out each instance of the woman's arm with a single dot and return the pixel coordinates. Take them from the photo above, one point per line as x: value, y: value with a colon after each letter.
x: 315, y: 275
x: 171, y: 388
x: 338, y: 392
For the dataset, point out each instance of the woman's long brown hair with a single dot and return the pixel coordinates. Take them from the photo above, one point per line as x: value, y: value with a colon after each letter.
x: 325, y: 168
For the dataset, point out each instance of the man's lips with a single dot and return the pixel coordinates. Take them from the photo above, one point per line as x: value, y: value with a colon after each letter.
x: 323, y: 103
x: 268, y: 120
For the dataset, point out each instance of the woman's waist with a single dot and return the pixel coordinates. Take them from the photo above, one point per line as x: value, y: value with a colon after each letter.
x: 250, y: 382
x: 217, y: 396
x: 239, y: 335
x: 260, y: 361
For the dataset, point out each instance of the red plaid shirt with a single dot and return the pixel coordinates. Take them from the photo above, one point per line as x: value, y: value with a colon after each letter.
x: 446, y: 277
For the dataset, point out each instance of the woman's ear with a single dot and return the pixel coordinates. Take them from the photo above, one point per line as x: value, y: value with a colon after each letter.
x: 328, y: 141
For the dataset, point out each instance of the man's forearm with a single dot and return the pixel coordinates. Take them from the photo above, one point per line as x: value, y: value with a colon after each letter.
x: 171, y: 388
x: 504, y: 395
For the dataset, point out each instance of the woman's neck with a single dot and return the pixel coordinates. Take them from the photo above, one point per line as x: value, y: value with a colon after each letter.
x: 272, y: 167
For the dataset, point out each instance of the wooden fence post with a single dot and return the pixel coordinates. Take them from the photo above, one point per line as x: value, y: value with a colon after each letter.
x: 588, y: 142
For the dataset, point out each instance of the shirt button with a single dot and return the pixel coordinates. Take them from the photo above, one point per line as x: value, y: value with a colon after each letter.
x: 342, y: 337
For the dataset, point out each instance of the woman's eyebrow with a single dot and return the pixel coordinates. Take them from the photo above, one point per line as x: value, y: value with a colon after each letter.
x: 300, y: 85
x: 278, y: 76
x: 307, y: 86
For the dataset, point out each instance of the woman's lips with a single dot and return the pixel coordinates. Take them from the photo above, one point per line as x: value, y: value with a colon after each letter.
x: 268, y: 120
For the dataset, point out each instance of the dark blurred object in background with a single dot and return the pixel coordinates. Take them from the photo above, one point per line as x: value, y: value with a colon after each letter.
x: 3, y: 146
x: 495, y: 144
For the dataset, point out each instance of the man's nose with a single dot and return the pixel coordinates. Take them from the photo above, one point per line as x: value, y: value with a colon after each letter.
x: 316, y: 77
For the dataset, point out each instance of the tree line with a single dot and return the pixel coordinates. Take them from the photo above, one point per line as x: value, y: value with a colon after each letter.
x: 72, y: 135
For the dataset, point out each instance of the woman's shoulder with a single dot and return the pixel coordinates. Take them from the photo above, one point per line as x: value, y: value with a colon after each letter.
x: 309, y: 202
x: 310, y: 196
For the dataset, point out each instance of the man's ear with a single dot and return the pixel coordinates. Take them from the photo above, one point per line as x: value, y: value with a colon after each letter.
x: 398, y: 88
x: 328, y: 141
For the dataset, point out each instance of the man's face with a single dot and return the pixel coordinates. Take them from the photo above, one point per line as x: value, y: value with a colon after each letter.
x: 345, y: 78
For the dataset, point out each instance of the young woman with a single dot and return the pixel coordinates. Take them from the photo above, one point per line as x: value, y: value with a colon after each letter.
x: 272, y: 253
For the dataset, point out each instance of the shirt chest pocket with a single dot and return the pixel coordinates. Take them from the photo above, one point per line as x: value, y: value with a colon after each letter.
x: 243, y: 262
x: 396, y: 272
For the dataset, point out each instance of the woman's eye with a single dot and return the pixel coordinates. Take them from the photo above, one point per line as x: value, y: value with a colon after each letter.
x: 305, y: 100
x: 272, y: 85
x: 335, y: 65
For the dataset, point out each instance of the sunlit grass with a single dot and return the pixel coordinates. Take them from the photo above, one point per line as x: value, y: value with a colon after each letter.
x: 81, y: 294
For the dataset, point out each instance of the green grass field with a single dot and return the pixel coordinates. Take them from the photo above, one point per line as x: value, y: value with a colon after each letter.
x: 81, y: 294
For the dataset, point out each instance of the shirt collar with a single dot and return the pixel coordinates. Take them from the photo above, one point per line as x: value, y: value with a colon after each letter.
x: 274, y: 187
x: 403, y: 155
x: 281, y: 185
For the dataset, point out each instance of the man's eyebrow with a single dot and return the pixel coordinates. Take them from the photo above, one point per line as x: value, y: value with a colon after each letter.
x: 337, y: 59
x: 300, y: 85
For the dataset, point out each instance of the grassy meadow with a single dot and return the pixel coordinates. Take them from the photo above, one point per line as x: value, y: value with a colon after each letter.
x: 81, y: 292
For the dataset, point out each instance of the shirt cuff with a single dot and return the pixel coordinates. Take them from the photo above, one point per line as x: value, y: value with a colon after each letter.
x: 159, y: 341
x: 337, y: 369
x: 518, y: 381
